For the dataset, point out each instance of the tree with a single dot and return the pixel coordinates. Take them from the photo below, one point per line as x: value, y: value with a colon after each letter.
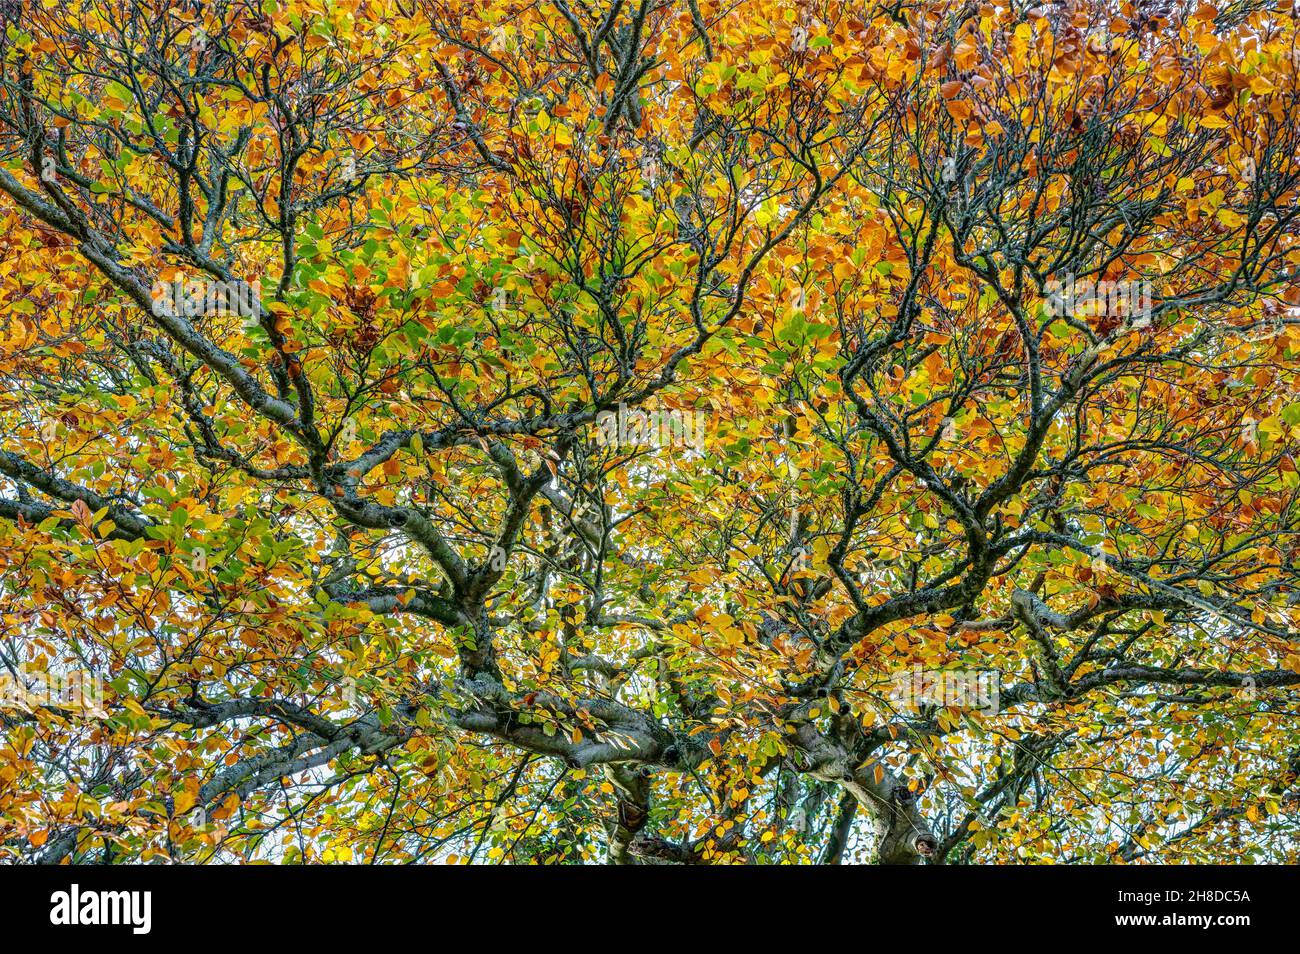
x: 649, y: 430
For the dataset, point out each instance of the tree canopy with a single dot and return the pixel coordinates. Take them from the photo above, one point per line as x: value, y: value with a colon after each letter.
x: 674, y: 431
